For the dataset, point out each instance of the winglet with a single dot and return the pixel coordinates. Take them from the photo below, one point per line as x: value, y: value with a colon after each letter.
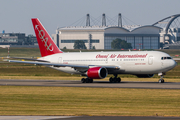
x: 46, y: 44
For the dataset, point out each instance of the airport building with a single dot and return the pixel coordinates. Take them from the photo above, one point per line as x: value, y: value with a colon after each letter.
x: 100, y: 37
x: 17, y: 39
x: 11, y: 38
x: 145, y: 37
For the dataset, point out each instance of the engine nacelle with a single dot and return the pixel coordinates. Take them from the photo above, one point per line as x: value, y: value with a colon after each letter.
x: 97, y: 73
x: 145, y: 75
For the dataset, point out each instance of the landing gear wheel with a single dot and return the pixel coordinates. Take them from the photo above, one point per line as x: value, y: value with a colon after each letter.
x: 86, y: 80
x: 161, y: 80
x: 90, y: 80
x: 83, y: 80
x: 118, y: 80
x: 115, y: 80
x: 111, y: 80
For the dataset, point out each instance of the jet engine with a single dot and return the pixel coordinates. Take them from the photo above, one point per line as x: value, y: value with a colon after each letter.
x: 97, y: 73
x: 145, y: 75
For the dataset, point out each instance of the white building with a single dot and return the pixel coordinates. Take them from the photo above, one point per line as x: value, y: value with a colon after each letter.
x: 141, y: 37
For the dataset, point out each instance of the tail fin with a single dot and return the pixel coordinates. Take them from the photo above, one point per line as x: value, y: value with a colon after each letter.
x: 46, y: 44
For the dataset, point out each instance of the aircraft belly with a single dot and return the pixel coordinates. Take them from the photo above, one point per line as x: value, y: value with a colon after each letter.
x: 143, y: 68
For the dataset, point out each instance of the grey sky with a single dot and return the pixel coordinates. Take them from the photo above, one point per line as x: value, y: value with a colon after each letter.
x: 15, y: 15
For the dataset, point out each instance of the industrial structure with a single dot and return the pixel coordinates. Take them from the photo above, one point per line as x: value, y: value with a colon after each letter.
x: 170, y: 31
x: 100, y: 37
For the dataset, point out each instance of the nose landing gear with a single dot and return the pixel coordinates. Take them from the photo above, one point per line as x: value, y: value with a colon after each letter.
x: 161, y: 80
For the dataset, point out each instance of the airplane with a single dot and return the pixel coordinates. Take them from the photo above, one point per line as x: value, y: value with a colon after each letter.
x: 97, y: 65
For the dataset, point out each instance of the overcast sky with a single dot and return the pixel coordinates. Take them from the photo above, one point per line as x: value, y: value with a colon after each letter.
x: 15, y: 15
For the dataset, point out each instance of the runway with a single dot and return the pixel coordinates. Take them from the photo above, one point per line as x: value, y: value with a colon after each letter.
x: 85, y: 118
x: 95, y: 84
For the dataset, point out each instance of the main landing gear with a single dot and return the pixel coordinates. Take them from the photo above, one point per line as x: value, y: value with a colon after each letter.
x: 115, y: 79
x: 86, y: 80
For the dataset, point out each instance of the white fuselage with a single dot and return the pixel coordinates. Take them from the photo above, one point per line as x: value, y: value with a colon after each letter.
x: 129, y: 62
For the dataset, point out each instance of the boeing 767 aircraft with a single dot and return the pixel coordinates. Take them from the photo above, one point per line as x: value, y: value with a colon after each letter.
x: 97, y: 65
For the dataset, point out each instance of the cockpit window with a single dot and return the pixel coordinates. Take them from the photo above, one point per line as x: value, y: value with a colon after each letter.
x: 164, y: 58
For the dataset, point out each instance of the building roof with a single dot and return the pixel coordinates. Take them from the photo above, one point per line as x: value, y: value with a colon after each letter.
x: 127, y: 27
x: 148, y: 29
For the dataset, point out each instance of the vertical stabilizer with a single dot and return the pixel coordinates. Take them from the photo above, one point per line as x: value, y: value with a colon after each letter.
x: 46, y: 44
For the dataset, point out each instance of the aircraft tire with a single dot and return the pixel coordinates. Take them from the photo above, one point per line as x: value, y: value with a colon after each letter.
x: 87, y: 80
x: 115, y: 80
x: 161, y: 80
x: 83, y: 80
x: 91, y: 80
x: 111, y: 80
x: 118, y: 80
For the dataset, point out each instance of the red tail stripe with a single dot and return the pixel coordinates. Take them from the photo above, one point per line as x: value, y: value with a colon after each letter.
x: 45, y: 42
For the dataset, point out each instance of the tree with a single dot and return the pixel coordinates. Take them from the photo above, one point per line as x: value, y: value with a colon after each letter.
x: 119, y: 44
x: 93, y: 47
x: 79, y: 44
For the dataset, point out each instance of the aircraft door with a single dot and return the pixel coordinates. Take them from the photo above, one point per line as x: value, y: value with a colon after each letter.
x: 106, y: 60
x: 150, y: 60
x: 60, y: 60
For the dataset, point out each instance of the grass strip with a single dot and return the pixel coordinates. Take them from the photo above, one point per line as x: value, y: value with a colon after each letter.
x: 29, y: 100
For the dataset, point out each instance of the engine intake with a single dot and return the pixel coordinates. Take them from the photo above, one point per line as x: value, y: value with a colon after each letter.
x: 145, y: 75
x: 97, y: 73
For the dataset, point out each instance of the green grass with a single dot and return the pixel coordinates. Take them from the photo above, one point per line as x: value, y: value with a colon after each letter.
x: 20, y: 52
x: 20, y: 100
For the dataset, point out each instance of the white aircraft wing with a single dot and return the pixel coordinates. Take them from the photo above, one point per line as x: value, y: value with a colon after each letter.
x: 31, y: 59
x: 79, y: 67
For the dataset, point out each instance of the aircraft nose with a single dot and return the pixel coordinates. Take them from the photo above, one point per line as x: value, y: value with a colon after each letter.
x: 173, y: 63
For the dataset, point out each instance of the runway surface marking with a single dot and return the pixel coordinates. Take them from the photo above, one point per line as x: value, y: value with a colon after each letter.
x: 96, y: 84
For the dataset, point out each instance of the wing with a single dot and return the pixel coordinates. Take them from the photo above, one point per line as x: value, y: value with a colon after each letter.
x: 79, y: 67
x: 31, y: 59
